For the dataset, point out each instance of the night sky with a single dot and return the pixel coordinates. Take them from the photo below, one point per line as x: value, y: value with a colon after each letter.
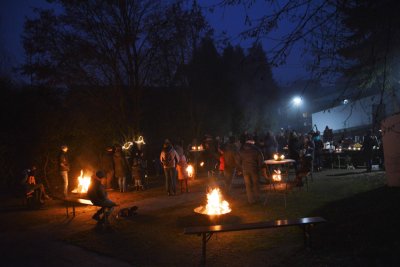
x: 230, y: 19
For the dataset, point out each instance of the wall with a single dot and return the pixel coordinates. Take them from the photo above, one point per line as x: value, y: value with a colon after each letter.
x: 351, y: 115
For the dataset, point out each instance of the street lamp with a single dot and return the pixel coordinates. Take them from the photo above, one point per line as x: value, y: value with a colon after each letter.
x: 297, y: 101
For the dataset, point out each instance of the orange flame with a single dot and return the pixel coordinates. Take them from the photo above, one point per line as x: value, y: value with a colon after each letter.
x: 83, y: 184
x: 215, y: 204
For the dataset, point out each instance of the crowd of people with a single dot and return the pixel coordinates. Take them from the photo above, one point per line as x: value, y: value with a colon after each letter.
x: 225, y: 158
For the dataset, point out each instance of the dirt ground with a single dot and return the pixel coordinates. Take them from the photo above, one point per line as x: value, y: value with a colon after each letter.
x: 154, y: 237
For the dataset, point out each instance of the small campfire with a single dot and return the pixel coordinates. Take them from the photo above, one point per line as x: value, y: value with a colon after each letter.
x: 215, y: 204
x: 83, y: 184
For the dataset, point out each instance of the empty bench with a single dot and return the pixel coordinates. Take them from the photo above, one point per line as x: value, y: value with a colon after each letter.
x: 73, y: 202
x: 207, y: 231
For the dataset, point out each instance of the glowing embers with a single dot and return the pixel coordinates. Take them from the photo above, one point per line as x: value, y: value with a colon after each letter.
x: 215, y: 204
x: 83, y: 184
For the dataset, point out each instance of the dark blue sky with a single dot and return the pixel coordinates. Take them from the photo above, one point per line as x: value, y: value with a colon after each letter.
x: 229, y: 19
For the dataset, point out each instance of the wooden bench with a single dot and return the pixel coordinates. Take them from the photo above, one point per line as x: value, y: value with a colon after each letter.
x: 73, y: 202
x: 207, y: 231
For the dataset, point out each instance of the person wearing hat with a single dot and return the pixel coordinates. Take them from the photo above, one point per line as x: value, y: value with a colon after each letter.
x: 251, y: 160
x: 98, y: 196
x: 63, y: 165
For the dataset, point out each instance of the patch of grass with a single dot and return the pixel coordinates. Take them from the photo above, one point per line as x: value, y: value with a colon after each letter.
x: 362, y: 227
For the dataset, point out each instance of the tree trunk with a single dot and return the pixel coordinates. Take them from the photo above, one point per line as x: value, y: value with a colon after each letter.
x: 391, y: 148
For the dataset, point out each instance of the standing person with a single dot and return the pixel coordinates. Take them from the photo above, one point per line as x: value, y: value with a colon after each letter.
x: 63, y: 165
x: 181, y: 169
x: 168, y: 158
x: 282, y: 141
x: 252, y: 161
x: 318, y: 152
x: 231, y: 162
x: 98, y: 195
x: 138, y: 171
x: 120, y: 168
x: 271, y: 145
x: 221, y: 163
x: 294, y: 147
x: 107, y: 164
x: 367, y: 149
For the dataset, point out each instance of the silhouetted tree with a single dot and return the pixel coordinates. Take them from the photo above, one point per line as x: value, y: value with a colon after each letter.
x: 120, y: 45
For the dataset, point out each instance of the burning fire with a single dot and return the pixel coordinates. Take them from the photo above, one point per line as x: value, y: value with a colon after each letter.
x: 83, y: 184
x: 215, y: 204
x: 277, y: 176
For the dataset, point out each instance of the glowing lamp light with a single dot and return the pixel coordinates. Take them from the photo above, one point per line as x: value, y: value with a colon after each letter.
x: 297, y: 101
x: 127, y: 145
x: 202, y: 164
x: 279, y: 157
x: 140, y: 141
x: 190, y: 170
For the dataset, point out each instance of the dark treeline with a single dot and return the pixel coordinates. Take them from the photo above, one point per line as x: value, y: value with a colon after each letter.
x: 207, y: 91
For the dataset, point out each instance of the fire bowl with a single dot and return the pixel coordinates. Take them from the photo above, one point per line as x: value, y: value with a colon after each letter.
x: 212, y: 218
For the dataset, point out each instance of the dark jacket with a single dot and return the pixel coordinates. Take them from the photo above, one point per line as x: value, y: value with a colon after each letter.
x: 107, y: 162
x: 251, y: 158
x: 137, y: 168
x: 231, y: 156
x: 96, y: 191
x: 63, y: 163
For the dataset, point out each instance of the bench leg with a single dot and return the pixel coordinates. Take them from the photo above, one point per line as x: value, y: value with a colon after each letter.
x: 72, y: 206
x: 307, y: 235
x: 203, y: 250
x: 205, y: 238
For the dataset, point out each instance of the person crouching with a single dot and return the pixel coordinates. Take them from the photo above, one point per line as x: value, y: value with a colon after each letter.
x: 98, y: 196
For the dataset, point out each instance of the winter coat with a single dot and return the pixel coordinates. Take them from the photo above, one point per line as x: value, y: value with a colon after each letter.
x: 120, y: 165
x: 137, y: 168
x: 168, y: 157
x: 251, y: 158
x: 63, y: 162
x: 107, y: 162
x: 96, y: 191
x: 231, y: 156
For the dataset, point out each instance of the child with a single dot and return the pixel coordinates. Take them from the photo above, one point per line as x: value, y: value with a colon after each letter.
x: 181, y: 170
x: 221, y: 165
x: 137, y: 172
